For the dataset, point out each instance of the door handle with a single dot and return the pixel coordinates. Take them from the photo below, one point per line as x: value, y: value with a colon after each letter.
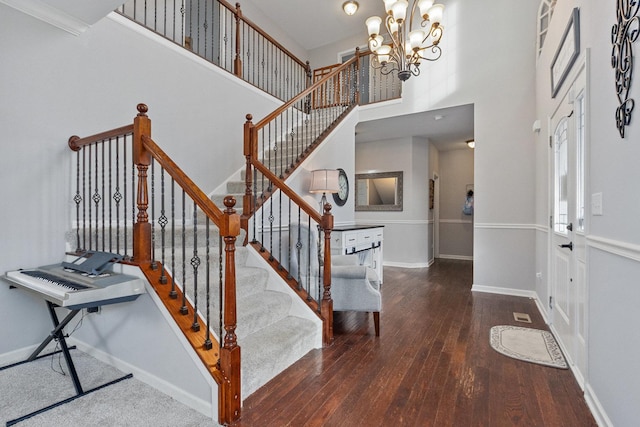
x: 568, y: 245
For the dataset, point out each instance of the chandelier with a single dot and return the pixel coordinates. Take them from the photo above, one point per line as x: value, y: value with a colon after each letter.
x: 406, y: 47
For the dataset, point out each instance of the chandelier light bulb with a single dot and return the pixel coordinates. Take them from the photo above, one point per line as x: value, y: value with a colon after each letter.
x: 350, y: 7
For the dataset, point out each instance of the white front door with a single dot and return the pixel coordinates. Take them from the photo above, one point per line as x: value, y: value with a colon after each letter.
x: 567, y: 290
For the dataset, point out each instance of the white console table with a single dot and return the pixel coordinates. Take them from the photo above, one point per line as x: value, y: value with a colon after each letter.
x: 363, y: 240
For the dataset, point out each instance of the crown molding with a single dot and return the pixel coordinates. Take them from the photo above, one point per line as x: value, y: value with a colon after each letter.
x: 48, y: 14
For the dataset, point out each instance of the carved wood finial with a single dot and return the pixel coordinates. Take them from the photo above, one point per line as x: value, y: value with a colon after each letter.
x: 230, y: 202
x: 142, y: 109
x: 72, y: 143
x: 249, y: 117
x: 327, y: 208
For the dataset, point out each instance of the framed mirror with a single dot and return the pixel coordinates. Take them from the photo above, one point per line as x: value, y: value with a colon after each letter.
x: 379, y: 191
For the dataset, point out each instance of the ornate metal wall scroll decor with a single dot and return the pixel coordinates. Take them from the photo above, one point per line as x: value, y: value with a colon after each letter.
x: 623, y: 34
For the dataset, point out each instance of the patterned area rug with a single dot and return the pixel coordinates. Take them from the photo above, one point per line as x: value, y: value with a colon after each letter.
x: 530, y: 345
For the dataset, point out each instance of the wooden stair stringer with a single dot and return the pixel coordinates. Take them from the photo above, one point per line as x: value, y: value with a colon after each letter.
x: 196, y: 339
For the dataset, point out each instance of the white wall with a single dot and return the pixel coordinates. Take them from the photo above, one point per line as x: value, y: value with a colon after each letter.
x: 613, y: 239
x: 456, y: 229
x: 405, y: 232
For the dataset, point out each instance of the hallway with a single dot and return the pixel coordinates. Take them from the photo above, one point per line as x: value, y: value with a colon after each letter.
x: 431, y: 366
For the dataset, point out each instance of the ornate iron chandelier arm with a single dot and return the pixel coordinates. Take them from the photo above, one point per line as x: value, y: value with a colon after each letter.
x: 435, y: 49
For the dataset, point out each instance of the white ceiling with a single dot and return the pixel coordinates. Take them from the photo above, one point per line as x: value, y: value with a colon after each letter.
x: 315, y: 23
x: 446, y: 128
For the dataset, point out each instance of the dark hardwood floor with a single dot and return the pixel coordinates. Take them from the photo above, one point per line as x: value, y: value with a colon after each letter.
x: 431, y: 366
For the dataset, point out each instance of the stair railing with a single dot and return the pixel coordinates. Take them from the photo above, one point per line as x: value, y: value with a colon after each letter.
x: 168, y: 227
x: 276, y: 217
x: 218, y: 32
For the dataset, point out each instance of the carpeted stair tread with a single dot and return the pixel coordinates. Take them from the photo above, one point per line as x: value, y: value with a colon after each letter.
x: 271, y: 350
x: 259, y: 310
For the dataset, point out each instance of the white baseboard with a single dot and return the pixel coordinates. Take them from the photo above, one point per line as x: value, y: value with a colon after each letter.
x: 22, y: 354
x: 200, y: 405
x: 407, y: 265
x: 460, y: 257
x: 596, y: 408
x: 504, y: 291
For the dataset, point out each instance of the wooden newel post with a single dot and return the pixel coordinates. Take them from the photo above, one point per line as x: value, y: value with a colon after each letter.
x: 229, y: 399
x: 327, y: 302
x: 250, y: 154
x: 142, y: 159
x: 237, y: 62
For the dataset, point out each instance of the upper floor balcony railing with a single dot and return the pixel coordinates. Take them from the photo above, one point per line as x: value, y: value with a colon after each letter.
x: 218, y: 32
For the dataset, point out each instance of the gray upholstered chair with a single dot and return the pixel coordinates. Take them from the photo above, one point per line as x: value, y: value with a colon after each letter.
x: 354, y: 287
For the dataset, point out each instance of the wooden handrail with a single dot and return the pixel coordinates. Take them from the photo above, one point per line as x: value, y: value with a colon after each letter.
x: 262, y: 123
x: 198, y: 196
x: 239, y: 16
x: 76, y: 143
x: 262, y: 32
x: 306, y: 207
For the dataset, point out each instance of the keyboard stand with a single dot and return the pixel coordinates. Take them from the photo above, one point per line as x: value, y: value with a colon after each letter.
x: 58, y: 334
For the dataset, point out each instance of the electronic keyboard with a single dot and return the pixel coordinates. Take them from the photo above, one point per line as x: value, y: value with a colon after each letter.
x: 75, y: 289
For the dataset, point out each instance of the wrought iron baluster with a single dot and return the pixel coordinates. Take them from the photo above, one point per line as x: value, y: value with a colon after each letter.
x: 280, y: 230
x: 163, y: 221
x: 154, y: 262
x: 102, y: 146
x: 110, y: 150
x: 195, y: 263
x: 173, y: 294
x: 77, y: 199
x: 271, y: 220
x: 208, y: 345
x: 183, y: 308
x: 89, y: 189
x: 117, y: 196
x: 125, y: 196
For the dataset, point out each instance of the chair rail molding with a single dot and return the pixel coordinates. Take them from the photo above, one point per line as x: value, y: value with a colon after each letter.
x: 615, y: 247
x: 505, y: 226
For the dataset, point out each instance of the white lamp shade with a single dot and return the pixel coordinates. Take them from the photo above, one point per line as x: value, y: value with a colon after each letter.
x: 383, y: 53
x: 435, y: 13
x: 373, y: 25
x: 399, y: 10
x: 324, y: 181
x: 424, y: 6
x: 415, y: 39
x: 388, y: 4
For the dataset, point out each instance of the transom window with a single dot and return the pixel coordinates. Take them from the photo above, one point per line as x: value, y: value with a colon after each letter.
x: 545, y: 12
